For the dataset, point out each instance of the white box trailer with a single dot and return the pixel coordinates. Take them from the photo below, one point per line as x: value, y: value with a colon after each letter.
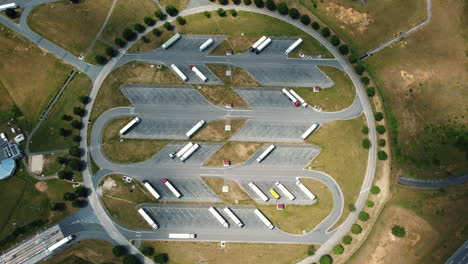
x: 310, y: 130
x: 189, y: 152
x: 198, y: 73
x: 298, y: 97
x: 62, y: 242
x: 233, y: 217
x: 6, y: 6
x: 195, y: 128
x: 151, y: 189
x: 291, y: 97
x: 258, y: 191
x: 285, y: 191
x: 293, y: 46
x: 257, y: 43
x: 265, y: 153
x: 184, y: 149
x: 305, y: 190
x: 218, y: 217
x: 263, y: 45
x: 171, y: 41
x: 171, y: 188
x: 148, y: 218
x: 129, y: 126
x: 179, y: 72
x: 206, y: 44
x: 182, y: 235
x: 264, y: 219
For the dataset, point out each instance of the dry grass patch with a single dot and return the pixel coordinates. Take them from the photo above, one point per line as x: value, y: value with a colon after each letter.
x: 153, y: 42
x: 179, y: 4
x: 235, y: 195
x: 238, y: 44
x: 71, y: 26
x: 220, y: 95
x: 85, y: 251
x: 239, y: 76
x: 214, y: 130
x: 236, y: 152
x: 297, y: 219
x: 233, y: 253
x: 51, y: 166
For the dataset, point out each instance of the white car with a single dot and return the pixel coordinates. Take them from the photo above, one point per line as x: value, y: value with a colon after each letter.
x: 3, y: 136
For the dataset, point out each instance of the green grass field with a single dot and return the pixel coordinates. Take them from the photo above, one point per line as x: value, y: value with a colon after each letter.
x: 99, y: 48
x: 84, y: 252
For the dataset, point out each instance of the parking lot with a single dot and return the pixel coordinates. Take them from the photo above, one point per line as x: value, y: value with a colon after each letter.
x: 192, y: 190
x: 284, y: 156
x: 268, y: 131
x: 205, y: 151
x: 163, y: 95
x: 192, y: 43
x: 264, y: 97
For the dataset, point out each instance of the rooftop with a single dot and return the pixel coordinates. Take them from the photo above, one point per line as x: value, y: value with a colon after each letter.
x: 7, y: 167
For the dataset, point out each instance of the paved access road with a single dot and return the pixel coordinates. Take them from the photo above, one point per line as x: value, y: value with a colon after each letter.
x: 433, y: 183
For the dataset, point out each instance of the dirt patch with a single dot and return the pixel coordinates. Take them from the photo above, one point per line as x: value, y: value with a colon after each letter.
x: 41, y: 186
x: 36, y: 163
x: 108, y: 184
x: 349, y: 16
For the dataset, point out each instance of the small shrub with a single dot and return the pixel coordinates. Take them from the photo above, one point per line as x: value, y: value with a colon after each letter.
x: 398, y: 231
x: 139, y: 28
x: 171, y: 10
x: 119, y: 251
x: 57, y: 206
x: 315, y: 25
x: 147, y: 251
x: 356, y: 229
x: 359, y: 69
x: 233, y: 13
x: 365, y: 80
x: 375, y: 189
x: 343, y: 49
x: 64, y: 175
x: 370, y: 91
x: 283, y: 8
x: 347, y: 240
x: 294, y: 13
x: 111, y: 52
x: 207, y: 14
x: 380, y: 129
x: 237, y: 2
x: 270, y: 4
x: 61, y: 160
x: 370, y: 203
x: 81, y: 191
x: 149, y: 21
x: 145, y: 39
x: 310, y: 250
x: 351, y: 207
x: 67, y: 117
x: 221, y: 12
x: 363, y: 216
x: 11, y: 13
x: 77, y: 203
x: 68, y: 196
x: 130, y: 259
x: 162, y: 258
x: 77, y: 124
x: 65, y: 132
x: 247, y: 2
x: 101, y: 60
x: 259, y: 3
x: 181, y: 20
x: 168, y: 26
x: 77, y: 139
x: 129, y: 34
x: 338, y: 249
x: 335, y: 40
x: 75, y: 151
x: 157, y: 32
x: 378, y: 116
x: 305, y: 19
x: 120, y: 42
x: 382, y: 155
x: 326, y: 259
x: 75, y: 164
x: 223, y: 2
x: 353, y: 58
x: 325, y: 32
x: 366, y: 143
x: 159, y: 14
x: 365, y: 130
x: 381, y: 142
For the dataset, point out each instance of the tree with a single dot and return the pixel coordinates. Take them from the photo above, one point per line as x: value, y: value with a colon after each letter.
x: 61, y: 160
x: 366, y: 143
x: 325, y: 32
x: 130, y: 259
x: 353, y: 58
x: 139, y: 28
x: 221, y: 12
x: 68, y: 196
x: 343, y: 49
x: 370, y: 91
x: 270, y: 4
x: 75, y: 164
x: 207, y: 14
x: 310, y: 250
x: 119, y: 250
x: 375, y: 189
x: 347, y: 240
x: 378, y: 116
x: 283, y: 8
x: 305, y: 19
x: 326, y: 259
x: 161, y: 258
x: 77, y: 203
x: 67, y: 117
x: 247, y: 2
x: 359, y: 69
x: 398, y: 231
x: 369, y: 203
x: 168, y: 26
x: 129, y: 34
x: 157, y: 32
x: 159, y: 14
x: 77, y: 124
x: 65, y: 132
x: 236, y: 2
x: 223, y: 2
x: 171, y: 10
x: 77, y: 139
x: 381, y: 142
x: 351, y: 207
x: 356, y: 229
x: 382, y: 155
x: 181, y: 20
x: 365, y: 80
x: 75, y: 151
x: 259, y: 3
x: 81, y: 191
x: 233, y: 12
x: 54, y: 206
x: 338, y: 249
x: 11, y: 13
x: 315, y: 25
x: 75, y: 1
x: 111, y: 52
x: 101, y: 60
x: 363, y: 216
x: 64, y: 175
x: 294, y: 13
x: 147, y: 251
x: 120, y: 42
x: 78, y: 111
x: 365, y: 130
x: 335, y: 40
x: 380, y: 129
x: 149, y: 21
x: 84, y: 99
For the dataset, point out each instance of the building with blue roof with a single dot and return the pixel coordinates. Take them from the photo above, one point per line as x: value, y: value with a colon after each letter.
x: 8, y: 153
x: 7, y: 168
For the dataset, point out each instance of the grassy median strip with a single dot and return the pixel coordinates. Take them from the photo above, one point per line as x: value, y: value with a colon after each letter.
x: 235, y: 195
x: 239, y: 76
x: 215, y: 130
x: 220, y: 95
x: 236, y: 152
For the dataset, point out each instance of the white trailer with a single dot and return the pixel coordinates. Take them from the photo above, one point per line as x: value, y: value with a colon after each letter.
x: 198, y: 73
x: 171, y: 188
x: 151, y: 189
x: 184, y: 149
x: 293, y: 46
x: 189, y: 152
x: 62, y: 242
x: 263, y: 45
x: 6, y: 6
x: 291, y: 97
x: 206, y: 44
x: 148, y: 218
x: 130, y: 125
x: 310, y: 130
x: 182, y: 235
x: 298, y: 97
x: 233, y: 217
x: 264, y: 219
x: 265, y: 153
x: 305, y: 190
x: 219, y: 217
x: 258, y: 191
x: 285, y: 191
x: 171, y: 41
x: 179, y: 72
x: 256, y: 44
x: 195, y: 128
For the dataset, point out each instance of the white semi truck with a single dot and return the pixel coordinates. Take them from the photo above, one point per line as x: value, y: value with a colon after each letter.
x: 182, y: 235
x: 148, y: 218
x: 298, y: 97
x: 6, y: 6
x: 265, y: 153
x: 293, y: 46
x: 264, y: 219
x: 198, y: 73
x: 62, y: 242
x: 233, y: 217
x: 184, y: 149
x: 285, y: 191
x: 189, y: 152
x: 195, y: 128
x: 218, y: 217
x: 257, y: 43
x: 179, y: 72
x: 263, y: 45
x: 171, y: 41
x: 258, y: 191
x: 151, y: 189
x: 129, y: 126
x: 206, y: 44
x: 171, y: 188
x: 291, y: 97
x: 305, y: 190
x: 310, y: 130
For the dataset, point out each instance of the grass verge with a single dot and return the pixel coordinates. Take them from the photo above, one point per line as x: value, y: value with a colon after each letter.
x: 214, y: 130
x: 236, y: 152
x: 239, y: 77
x: 235, y: 195
x: 99, y: 48
x: 152, y: 41
x: 220, y: 95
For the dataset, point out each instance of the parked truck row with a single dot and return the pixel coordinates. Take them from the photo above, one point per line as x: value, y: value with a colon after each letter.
x: 296, y: 99
x: 185, y: 153
x: 283, y: 190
